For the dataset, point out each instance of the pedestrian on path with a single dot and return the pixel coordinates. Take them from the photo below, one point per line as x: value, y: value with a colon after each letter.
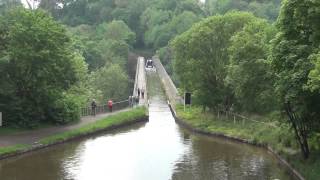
x: 142, y: 93
x: 93, y: 107
x: 137, y: 100
x: 110, y: 103
x: 138, y: 92
x: 130, y: 101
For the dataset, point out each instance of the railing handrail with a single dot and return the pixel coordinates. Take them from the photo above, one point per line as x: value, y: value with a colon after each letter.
x: 245, y: 118
x: 118, y: 102
x: 88, y: 110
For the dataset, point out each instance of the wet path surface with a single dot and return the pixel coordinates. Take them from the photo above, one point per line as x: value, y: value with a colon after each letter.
x: 33, y: 136
x: 157, y: 150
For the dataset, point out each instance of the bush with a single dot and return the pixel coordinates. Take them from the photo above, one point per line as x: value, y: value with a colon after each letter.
x: 66, y: 109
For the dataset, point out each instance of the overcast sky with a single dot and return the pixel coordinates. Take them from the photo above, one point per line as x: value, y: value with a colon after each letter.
x: 24, y: 2
x: 35, y: 4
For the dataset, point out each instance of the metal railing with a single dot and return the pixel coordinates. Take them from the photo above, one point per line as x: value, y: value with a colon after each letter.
x: 88, y: 111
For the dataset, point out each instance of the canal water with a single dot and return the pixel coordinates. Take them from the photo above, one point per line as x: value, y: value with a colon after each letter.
x: 157, y: 150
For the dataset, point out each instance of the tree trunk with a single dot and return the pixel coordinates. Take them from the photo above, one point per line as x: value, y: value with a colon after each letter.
x: 300, y: 130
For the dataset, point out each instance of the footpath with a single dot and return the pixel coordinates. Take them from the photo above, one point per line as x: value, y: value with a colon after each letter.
x: 33, y: 136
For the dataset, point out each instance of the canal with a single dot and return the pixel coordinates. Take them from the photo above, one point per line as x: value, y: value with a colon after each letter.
x: 157, y: 150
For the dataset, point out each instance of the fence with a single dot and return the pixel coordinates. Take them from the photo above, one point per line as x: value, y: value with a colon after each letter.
x: 88, y: 111
x: 238, y: 118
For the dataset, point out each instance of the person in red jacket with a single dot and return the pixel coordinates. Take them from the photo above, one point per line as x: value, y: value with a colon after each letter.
x: 110, y: 105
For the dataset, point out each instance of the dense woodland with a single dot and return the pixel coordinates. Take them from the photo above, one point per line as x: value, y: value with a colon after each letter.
x: 56, y: 57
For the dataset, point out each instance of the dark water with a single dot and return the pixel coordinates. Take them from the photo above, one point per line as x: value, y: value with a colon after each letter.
x: 157, y: 150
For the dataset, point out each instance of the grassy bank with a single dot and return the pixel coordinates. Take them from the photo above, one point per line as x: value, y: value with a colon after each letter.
x: 270, y: 133
x: 113, y: 120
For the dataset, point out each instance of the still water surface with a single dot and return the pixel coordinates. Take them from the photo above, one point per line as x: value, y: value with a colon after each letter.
x: 157, y: 150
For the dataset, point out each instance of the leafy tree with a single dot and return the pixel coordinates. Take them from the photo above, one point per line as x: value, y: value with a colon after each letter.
x: 201, y: 57
x: 294, y: 48
x: 249, y: 72
x: 111, y: 81
x: 116, y: 30
x: 38, y: 67
x: 114, y: 52
x: 314, y: 75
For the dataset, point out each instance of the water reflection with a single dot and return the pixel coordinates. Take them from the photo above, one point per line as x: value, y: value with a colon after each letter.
x: 157, y: 150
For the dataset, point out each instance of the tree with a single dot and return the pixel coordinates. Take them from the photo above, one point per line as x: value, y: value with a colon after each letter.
x: 249, y: 72
x: 314, y: 75
x: 116, y: 30
x: 111, y: 81
x: 39, y: 67
x: 293, y: 49
x: 201, y: 57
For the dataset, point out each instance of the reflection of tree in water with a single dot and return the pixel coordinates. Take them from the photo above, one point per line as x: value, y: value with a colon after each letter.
x: 43, y: 164
x: 214, y: 158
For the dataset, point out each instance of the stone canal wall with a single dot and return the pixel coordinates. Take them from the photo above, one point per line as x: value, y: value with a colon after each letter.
x: 169, y: 87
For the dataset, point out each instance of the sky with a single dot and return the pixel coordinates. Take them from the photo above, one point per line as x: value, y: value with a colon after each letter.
x: 24, y: 2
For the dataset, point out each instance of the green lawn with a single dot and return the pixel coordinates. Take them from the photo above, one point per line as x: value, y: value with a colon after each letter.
x: 11, y: 149
x: 116, y: 119
x: 272, y: 133
x: 98, y: 125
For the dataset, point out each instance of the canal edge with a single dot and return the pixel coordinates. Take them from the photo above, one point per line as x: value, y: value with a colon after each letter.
x: 43, y: 146
x: 185, y: 125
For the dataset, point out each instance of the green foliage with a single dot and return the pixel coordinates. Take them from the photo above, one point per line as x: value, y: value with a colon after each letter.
x: 314, y: 75
x: 201, y: 57
x: 116, y: 30
x: 111, y: 81
x: 249, y: 71
x: 38, y: 65
x: 294, y: 48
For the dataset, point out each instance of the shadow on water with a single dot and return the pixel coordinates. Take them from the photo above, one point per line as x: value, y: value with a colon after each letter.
x: 157, y: 150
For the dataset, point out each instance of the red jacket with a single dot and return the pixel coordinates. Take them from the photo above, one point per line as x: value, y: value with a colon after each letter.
x: 110, y: 103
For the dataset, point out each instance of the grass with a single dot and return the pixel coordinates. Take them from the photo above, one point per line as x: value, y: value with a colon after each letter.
x: 272, y: 133
x: 116, y: 119
x: 15, y: 148
x: 98, y: 125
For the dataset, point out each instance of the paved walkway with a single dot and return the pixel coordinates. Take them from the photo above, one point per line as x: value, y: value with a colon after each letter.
x: 30, y: 137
